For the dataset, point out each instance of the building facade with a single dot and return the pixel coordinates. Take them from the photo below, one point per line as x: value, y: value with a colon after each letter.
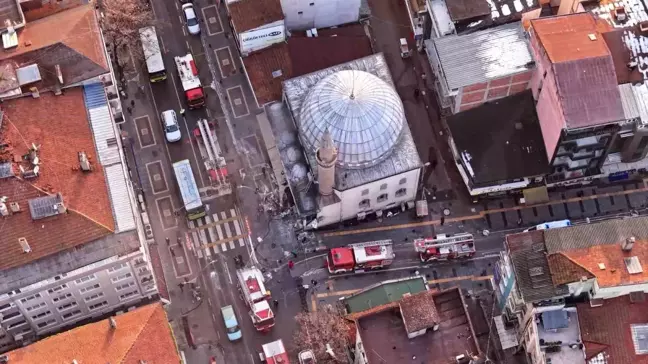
x: 309, y: 14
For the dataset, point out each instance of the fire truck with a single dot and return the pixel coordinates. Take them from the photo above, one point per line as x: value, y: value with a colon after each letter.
x: 445, y: 246
x: 191, y: 85
x: 253, y: 292
x: 360, y: 257
x: 274, y: 353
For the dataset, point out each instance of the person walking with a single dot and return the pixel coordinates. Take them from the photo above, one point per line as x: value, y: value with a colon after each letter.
x: 417, y: 92
x: 291, y: 264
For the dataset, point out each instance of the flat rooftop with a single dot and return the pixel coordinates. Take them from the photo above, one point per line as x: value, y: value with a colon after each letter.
x: 385, y: 340
x: 251, y: 14
x: 500, y: 140
x: 11, y: 14
x: 560, y: 325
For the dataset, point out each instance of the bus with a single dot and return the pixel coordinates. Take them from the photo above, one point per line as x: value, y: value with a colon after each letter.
x: 191, y: 201
x: 152, y: 54
x: 550, y: 225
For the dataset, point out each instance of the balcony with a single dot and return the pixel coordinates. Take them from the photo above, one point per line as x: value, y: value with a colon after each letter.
x: 559, y: 336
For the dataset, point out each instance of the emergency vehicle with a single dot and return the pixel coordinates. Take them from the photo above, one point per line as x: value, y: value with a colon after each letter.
x: 253, y: 292
x: 360, y: 256
x: 274, y: 353
x: 445, y: 246
x: 191, y: 85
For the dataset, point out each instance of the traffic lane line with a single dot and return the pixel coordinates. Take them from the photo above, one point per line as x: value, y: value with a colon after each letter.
x: 481, y: 214
x: 432, y: 281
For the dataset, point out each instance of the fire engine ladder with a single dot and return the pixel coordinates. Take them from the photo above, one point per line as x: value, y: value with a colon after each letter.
x: 371, y: 243
x: 212, y: 155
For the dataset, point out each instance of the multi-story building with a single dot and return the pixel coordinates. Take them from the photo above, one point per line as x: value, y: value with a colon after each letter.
x: 544, y: 276
x: 72, y: 239
x: 256, y: 24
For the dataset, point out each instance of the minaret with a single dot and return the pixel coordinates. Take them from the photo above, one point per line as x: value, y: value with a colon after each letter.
x: 326, y: 158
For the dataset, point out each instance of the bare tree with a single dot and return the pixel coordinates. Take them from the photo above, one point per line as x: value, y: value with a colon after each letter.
x: 121, y: 21
x: 318, y: 329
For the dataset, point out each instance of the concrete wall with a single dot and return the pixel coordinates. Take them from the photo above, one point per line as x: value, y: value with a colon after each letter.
x: 478, y: 93
x: 611, y: 292
x: 48, y: 306
x: 308, y: 14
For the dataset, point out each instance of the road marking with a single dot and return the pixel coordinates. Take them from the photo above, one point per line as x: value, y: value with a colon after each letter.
x: 432, y: 281
x: 223, y: 241
x: 229, y: 276
x: 480, y: 215
x: 164, y: 50
x: 188, y: 47
x: 157, y: 112
x: 166, y: 213
x: 313, y: 303
x: 152, y: 178
x: 229, y: 59
x: 203, y: 238
x: 217, y: 222
x: 193, y: 149
x: 209, y: 20
x: 237, y: 102
x: 145, y: 131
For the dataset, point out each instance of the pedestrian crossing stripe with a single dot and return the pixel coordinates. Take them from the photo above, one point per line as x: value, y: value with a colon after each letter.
x: 217, y: 232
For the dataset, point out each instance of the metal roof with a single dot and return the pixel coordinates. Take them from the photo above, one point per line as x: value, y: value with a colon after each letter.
x: 383, y: 293
x: 483, y: 55
x: 45, y: 206
x: 362, y: 112
x: 6, y: 170
x: 119, y: 197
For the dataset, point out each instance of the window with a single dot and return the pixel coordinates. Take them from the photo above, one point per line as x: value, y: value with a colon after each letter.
x: 62, y: 297
x: 71, y: 314
x: 128, y: 294
x: 26, y: 299
x: 121, y: 277
x: 5, y: 306
x: 401, y: 192
x: 402, y: 181
x: 67, y: 305
x: 365, y: 192
x: 10, y: 315
x: 124, y: 286
x: 46, y: 323
x: 41, y: 315
x: 383, y: 186
x: 117, y: 267
x: 56, y: 289
x: 98, y: 305
x: 364, y: 204
x: 37, y: 306
x: 16, y: 324
x: 382, y: 198
x: 89, y: 288
x: 300, y: 12
x: 311, y: 4
x: 86, y: 278
x: 94, y: 296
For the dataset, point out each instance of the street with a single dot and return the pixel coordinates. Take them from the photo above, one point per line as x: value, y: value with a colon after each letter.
x: 196, y: 257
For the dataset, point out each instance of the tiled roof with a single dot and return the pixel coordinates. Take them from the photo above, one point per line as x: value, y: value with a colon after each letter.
x: 529, y: 257
x: 301, y: 56
x: 583, y: 68
x: 141, y: 335
x: 60, y: 126
x: 483, y: 55
x: 501, y: 139
x: 419, y: 311
x: 564, y: 270
x: 607, y: 328
x: 466, y: 9
x: 250, y: 14
x: 70, y: 39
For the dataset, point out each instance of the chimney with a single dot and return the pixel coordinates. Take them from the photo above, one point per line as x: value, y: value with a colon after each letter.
x: 113, y: 323
x: 326, y: 158
x: 628, y: 244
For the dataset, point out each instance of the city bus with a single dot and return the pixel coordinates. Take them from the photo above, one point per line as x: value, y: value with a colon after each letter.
x: 191, y: 201
x: 152, y: 54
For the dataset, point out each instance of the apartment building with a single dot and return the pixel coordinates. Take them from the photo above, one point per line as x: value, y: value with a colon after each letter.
x: 72, y: 240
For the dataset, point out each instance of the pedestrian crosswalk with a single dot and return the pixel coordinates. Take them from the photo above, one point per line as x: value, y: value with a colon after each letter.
x: 216, y: 232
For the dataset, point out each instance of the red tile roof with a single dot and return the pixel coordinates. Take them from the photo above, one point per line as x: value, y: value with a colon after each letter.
x: 301, y: 56
x: 607, y: 328
x: 142, y: 335
x: 565, y: 270
x: 250, y: 14
x: 419, y: 311
x: 583, y: 68
x: 612, y: 256
x: 60, y: 126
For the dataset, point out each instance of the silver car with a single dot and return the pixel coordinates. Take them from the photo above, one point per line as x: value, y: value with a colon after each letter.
x: 171, y: 126
x: 193, y: 26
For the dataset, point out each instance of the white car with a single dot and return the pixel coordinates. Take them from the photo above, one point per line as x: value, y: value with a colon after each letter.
x: 193, y: 26
x: 171, y: 126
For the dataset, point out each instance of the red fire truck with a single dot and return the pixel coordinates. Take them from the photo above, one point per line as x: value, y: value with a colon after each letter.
x: 360, y: 256
x: 445, y: 246
x: 253, y: 292
x: 191, y: 85
x: 274, y: 353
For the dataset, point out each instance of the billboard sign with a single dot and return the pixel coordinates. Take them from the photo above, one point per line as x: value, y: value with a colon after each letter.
x: 256, y: 39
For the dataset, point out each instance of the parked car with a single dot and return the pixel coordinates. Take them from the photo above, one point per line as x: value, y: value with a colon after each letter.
x: 231, y: 324
x: 191, y: 19
x: 171, y: 126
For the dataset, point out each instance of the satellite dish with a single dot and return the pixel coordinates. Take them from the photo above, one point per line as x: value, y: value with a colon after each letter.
x: 35, y: 161
x: 36, y: 169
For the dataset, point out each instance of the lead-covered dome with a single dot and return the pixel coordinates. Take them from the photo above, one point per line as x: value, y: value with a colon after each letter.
x: 362, y: 112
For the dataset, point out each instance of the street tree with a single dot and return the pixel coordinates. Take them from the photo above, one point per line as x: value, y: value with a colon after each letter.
x: 324, y: 332
x: 121, y: 21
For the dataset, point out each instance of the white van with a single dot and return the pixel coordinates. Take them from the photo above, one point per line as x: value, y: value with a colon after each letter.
x: 550, y: 225
x: 171, y: 126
